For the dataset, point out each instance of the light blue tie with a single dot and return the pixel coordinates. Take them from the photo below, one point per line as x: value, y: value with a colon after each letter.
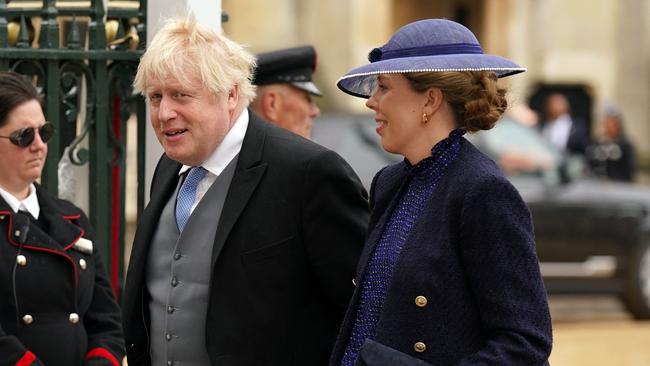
x: 186, y: 195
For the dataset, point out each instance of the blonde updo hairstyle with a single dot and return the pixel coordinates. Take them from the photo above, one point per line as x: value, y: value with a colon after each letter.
x: 474, y: 96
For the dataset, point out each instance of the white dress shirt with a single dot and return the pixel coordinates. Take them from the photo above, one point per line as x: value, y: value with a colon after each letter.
x: 29, y: 204
x: 557, y: 132
x: 221, y: 157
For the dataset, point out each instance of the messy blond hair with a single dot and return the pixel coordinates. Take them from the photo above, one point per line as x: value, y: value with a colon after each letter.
x: 184, y: 47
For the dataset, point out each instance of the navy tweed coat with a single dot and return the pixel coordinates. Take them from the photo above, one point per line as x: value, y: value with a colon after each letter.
x: 467, y: 289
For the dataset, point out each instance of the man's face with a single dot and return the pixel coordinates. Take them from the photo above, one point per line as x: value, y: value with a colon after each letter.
x: 295, y: 110
x: 190, y: 121
x: 556, y: 105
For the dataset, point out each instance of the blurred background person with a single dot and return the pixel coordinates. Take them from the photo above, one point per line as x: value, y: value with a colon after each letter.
x: 613, y: 156
x: 285, y: 89
x: 56, y: 302
x: 515, y: 144
x: 568, y: 135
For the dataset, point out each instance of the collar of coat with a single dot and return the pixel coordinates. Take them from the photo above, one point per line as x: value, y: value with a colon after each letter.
x: 61, y: 219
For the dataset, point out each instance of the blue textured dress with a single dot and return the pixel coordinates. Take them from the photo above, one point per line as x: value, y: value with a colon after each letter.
x: 422, y: 180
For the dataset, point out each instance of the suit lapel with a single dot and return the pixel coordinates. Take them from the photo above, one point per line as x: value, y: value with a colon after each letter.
x: 248, y: 174
x: 164, y: 184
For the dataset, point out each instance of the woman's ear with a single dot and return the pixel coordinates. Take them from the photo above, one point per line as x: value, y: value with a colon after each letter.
x: 434, y: 100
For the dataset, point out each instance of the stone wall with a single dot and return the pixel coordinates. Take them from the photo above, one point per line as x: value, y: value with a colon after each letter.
x: 602, y: 44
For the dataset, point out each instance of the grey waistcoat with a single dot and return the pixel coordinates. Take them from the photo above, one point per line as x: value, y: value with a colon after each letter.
x: 178, y: 278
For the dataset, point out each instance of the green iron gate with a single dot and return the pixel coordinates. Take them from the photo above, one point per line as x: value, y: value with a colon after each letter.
x: 82, y: 56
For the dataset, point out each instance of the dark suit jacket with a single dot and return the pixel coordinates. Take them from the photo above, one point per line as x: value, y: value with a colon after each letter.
x: 54, y: 281
x: 579, y: 138
x: 289, y: 237
x: 467, y: 284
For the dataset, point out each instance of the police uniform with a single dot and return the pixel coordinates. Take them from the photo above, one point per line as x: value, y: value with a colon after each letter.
x: 293, y: 66
x: 56, y: 302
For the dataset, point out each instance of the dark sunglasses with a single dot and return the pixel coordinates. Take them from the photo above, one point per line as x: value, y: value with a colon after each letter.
x: 25, y: 136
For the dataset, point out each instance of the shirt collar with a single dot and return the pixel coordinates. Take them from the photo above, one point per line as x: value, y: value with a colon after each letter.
x: 564, y: 119
x: 29, y: 204
x: 228, y: 149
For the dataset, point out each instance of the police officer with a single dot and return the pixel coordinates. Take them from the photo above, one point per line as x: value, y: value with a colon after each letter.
x: 285, y: 89
x: 56, y: 302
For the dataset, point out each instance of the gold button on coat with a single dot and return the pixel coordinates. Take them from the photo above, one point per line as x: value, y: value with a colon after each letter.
x: 21, y: 260
x: 74, y: 318
x: 421, y: 301
x: 419, y: 347
x: 28, y: 319
x: 82, y: 263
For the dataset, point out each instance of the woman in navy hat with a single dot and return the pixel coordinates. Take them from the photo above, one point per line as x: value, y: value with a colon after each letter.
x: 449, y: 273
x: 56, y: 302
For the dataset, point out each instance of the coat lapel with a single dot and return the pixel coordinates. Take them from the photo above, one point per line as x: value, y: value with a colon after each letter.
x: 248, y: 174
x: 62, y: 229
x: 63, y: 232
x: 386, y: 198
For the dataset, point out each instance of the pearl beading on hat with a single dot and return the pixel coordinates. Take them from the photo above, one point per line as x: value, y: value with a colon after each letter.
x: 404, y: 71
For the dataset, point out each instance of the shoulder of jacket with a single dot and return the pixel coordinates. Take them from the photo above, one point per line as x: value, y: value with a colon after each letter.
x: 290, y: 148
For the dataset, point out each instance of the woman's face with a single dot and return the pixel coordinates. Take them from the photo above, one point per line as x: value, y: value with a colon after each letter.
x: 398, y: 113
x: 22, y: 166
x: 612, y: 127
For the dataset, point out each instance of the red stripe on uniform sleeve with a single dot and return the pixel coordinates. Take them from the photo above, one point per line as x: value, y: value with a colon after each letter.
x: 101, y: 352
x: 27, y: 359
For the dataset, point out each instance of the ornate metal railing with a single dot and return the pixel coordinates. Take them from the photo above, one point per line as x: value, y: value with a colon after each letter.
x: 82, y: 56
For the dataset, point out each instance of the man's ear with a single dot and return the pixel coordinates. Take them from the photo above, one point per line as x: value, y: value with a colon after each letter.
x: 233, y: 97
x: 270, y: 103
x: 435, y: 98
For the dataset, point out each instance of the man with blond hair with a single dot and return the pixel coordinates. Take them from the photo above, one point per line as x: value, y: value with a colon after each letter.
x: 246, y: 251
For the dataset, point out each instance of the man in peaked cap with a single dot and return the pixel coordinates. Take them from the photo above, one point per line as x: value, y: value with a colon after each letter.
x: 285, y: 88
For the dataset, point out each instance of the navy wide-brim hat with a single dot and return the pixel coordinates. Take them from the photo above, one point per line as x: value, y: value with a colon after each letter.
x: 431, y: 45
